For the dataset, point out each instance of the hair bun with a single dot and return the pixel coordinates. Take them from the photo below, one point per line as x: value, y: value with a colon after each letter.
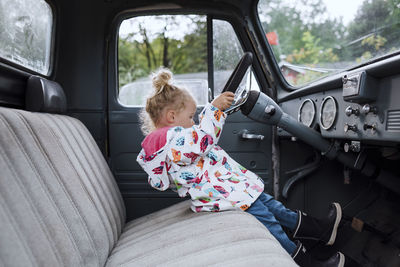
x: 161, y: 78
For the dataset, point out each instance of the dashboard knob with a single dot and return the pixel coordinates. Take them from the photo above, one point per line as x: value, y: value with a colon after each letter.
x: 373, y: 127
x: 348, y: 127
x: 367, y: 109
x: 346, y: 147
x: 350, y: 110
x: 355, y: 146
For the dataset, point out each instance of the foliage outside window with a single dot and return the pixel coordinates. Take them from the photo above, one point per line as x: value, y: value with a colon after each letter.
x: 26, y: 33
x: 310, y: 42
x: 178, y: 42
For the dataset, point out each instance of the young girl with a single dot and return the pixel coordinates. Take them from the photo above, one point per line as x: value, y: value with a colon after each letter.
x: 185, y: 157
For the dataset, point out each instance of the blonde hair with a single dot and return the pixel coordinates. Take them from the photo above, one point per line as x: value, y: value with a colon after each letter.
x: 165, y: 95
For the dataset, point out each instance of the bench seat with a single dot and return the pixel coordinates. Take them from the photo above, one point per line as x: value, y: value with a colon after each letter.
x: 60, y: 206
x: 176, y: 236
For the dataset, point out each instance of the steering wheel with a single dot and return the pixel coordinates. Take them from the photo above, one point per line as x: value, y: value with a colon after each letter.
x: 235, y: 84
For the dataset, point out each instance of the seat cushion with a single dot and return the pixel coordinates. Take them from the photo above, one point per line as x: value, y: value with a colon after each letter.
x: 176, y: 236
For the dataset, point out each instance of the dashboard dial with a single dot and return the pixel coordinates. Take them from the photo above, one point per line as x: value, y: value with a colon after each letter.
x: 328, y: 112
x: 307, y: 112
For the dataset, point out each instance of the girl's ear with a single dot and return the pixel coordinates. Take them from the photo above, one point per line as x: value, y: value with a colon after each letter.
x: 170, y: 116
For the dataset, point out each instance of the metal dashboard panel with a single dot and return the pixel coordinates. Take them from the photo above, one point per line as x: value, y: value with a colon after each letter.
x: 386, y: 122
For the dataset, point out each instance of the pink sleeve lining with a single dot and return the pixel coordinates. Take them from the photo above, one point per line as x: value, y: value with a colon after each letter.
x: 155, y: 141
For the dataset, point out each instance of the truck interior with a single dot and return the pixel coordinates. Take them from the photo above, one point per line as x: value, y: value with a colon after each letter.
x: 316, y: 116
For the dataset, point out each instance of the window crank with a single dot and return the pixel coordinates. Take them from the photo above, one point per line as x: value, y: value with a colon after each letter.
x: 244, y: 134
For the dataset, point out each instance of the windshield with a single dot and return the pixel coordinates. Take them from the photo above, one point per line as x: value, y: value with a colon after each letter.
x: 311, y: 39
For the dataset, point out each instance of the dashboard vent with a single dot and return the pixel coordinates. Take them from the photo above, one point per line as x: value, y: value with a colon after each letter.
x: 393, y: 121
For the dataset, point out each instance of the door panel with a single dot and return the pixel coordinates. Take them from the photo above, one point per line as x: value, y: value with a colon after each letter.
x: 252, y: 154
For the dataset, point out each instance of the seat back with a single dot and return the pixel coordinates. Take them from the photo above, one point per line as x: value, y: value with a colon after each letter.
x: 59, y: 203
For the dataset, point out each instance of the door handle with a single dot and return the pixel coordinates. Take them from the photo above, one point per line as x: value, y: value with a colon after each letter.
x: 244, y: 134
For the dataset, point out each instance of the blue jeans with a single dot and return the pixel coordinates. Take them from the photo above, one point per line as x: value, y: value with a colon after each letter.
x: 274, y: 215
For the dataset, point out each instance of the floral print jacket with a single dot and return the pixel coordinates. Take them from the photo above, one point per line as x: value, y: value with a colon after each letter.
x: 192, y: 163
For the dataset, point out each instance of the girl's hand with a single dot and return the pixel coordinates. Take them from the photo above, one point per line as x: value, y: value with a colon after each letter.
x: 223, y: 101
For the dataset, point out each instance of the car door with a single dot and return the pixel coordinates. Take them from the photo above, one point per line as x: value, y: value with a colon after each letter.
x: 202, y: 52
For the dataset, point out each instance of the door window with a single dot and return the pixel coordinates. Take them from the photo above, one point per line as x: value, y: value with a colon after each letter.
x: 178, y: 42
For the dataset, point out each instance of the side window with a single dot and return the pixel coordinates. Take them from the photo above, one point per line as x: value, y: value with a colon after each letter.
x: 26, y: 33
x: 145, y: 43
x: 227, y: 52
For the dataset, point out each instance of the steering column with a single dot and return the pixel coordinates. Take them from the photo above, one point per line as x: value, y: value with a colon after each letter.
x: 262, y: 108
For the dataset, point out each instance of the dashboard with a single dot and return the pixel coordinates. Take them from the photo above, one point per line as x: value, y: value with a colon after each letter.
x: 363, y: 109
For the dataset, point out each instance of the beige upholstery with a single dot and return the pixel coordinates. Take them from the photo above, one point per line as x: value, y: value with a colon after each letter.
x: 60, y: 206
x: 176, y: 236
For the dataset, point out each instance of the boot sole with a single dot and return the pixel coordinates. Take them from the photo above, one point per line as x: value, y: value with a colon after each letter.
x: 341, y: 260
x: 335, y: 226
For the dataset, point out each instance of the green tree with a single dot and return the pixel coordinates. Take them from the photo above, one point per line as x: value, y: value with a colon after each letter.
x: 290, y: 19
x: 375, y: 30
x: 370, y: 17
x: 309, y: 37
x: 311, y: 55
x: 140, y: 56
x: 311, y: 52
x: 190, y: 55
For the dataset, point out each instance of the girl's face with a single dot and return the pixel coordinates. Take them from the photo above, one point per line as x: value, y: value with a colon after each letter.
x: 184, y: 117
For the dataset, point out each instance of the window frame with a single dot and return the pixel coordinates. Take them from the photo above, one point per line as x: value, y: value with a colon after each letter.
x: 15, y: 66
x: 247, y: 33
x: 270, y: 54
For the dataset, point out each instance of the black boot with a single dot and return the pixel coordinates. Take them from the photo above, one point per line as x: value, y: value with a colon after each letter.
x: 319, y: 229
x: 304, y: 259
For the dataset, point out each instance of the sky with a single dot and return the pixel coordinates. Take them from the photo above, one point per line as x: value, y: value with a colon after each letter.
x: 343, y: 8
x: 152, y: 25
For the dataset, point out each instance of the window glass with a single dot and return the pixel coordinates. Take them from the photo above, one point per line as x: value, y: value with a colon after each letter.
x: 178, y: 42
x: 227, y: 52
x: 26, y: 33
x: 315, y: 38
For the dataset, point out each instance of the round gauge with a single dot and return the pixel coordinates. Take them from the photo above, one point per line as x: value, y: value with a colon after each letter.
x: 328, y: 112
x: 307, y: 112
